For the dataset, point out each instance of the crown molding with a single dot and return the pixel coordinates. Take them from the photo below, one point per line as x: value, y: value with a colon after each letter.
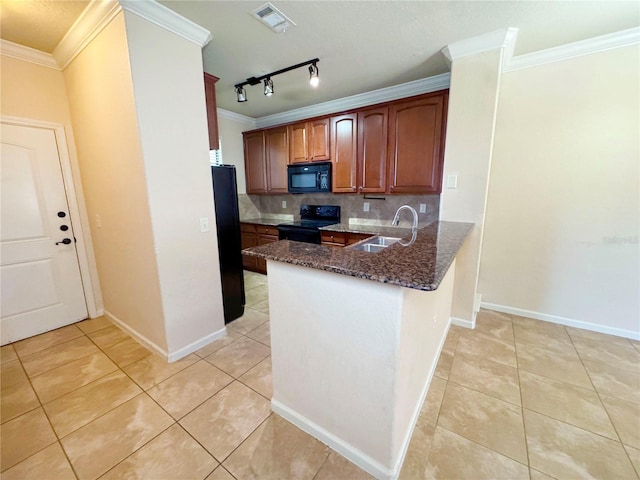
x: 236, y: 117
x: 503, y: 38
x: 89, y: 24
x: 589, y: 46
x: 166, y: 18
x: 28, y: 54
x: 417, y: 87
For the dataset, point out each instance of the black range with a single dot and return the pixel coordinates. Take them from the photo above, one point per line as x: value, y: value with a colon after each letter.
x: 307, y: 229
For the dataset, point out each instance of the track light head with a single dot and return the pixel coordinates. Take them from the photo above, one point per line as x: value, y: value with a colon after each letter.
x: 268, y: 86
x: 314, y: 80
x: 241, y: 94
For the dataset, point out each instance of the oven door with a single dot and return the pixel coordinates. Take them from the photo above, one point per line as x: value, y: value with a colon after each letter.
x: 298, y: 234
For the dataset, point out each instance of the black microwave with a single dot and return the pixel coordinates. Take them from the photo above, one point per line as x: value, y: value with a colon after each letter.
x: 309, y: 177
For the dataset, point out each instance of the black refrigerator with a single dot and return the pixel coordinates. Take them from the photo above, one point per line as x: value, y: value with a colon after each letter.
x: 225, y: 194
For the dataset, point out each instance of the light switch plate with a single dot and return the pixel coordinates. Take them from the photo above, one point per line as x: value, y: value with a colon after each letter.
x: 365, y: 206
x: 423, y: 208
x: 284, y: 204
x: 204, y: 224
x: 452, y: 181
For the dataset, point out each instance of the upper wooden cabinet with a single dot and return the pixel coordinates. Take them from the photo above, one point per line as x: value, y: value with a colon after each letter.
x: 372, y: 150
x: 277, y: 158
x: 344, y: 152
x: 212, y: 111
x: 416, y: 145
x: 255, y: 166
x: 309, y: 141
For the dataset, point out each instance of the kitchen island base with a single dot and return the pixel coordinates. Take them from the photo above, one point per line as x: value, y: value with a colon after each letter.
x: 352, y: 359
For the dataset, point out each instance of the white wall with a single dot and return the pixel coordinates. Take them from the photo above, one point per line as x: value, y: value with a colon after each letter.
x: 473, y: 94
x: 562, y: 224
x: 171, y: 112
x: 230, y: 128
x: 98, y: 85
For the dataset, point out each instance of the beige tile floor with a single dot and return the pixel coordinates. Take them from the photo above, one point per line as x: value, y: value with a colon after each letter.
x: 515, y: 398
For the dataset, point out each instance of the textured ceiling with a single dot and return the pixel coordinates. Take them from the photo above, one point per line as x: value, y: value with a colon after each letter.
x: 38, y: 24
x: 362, y: 45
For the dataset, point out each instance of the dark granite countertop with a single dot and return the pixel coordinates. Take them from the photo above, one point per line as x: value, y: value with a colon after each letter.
x: 421, y: 265
x: 372, y: 229
x: 266, y: 220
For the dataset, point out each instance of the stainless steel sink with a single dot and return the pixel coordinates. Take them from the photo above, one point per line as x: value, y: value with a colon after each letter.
x: 383, y: 241
x: 375, y: 244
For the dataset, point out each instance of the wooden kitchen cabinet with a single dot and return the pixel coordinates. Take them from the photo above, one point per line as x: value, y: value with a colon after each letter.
x: 372, y: 150
x: 249, y: 239
x: 309, y: 141
x: 416, y: 145
x: 344, y: 153
x: 342, y: 239
x: 277, y: 157
x: 254, y: 162
x: 212, y: 110
x: 254, y: 235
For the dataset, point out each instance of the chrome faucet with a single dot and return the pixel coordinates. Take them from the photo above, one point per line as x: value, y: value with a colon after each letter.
x: 396, y: 219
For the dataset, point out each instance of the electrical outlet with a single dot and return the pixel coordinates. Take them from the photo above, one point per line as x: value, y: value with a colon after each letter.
x: 204, y: 224
x: 284, y: 204
x: 423, y: 208
x: 365, y: 206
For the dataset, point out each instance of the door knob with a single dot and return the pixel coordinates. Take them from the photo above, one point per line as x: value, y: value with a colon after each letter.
x: 66, y: 241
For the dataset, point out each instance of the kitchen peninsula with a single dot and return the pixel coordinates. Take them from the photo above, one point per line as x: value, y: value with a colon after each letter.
x: 355, y: 338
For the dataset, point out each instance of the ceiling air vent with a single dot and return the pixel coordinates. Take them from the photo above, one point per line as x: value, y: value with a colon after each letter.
x: 273, y: 18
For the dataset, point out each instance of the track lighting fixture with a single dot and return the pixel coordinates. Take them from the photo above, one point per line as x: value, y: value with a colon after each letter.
x: 268, y: 87
x: 241, y: 94
x: 268, y: 82
x: 314, y: 80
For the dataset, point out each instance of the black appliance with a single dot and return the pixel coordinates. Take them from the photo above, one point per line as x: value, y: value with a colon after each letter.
x: 312, y: 217
x: 309, y: 177
x: 225, y: 194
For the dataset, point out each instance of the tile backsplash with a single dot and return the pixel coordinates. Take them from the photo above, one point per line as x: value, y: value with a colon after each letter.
x: 382, y: 208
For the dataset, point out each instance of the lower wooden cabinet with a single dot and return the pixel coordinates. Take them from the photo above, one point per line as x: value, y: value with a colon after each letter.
x: 252, y: 236
x: 342, y: 239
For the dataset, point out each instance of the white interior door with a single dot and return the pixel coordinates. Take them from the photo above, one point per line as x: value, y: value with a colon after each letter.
x: 40, y: 284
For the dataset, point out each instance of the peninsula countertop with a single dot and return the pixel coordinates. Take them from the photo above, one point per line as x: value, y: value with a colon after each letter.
x: 421, y: 265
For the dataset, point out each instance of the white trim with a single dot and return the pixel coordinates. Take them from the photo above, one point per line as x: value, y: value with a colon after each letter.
x: 345, y: 449
x: 197, y: 345
x: 28, y: 54
x: 166, y: 18
x: 477, y: 302
x: 136, y: 335
x: 570, y: 322
x: 589, y: 46
x: 236, y: 117
x: 77, y: 210
x: 417, y: 87
x: 503, y: 38
x: 464, y: 323
x: 89, y: 24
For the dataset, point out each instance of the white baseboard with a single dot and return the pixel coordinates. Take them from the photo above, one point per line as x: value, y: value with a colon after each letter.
x: 136, y: 335
x: 570, y: 322
x: 169, y: 356
x: 464, y: 323
x: 197, y: 345
x: 97, y: 314
x: 345, y: 449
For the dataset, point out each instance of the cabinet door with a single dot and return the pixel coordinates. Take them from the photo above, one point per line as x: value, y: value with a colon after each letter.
x: 344, y: 153
x: 277, y: 157
x: 248, y: 240
x: 298, y: 143
x: 416, y: 145
x: 372, y: 149
x: 212, y: 110
x: 318, y: 135
x: 254, y: 162
x: 261, y: 263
